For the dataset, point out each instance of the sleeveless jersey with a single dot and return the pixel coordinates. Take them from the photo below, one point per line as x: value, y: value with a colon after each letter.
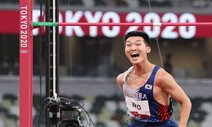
x: 141, y: 103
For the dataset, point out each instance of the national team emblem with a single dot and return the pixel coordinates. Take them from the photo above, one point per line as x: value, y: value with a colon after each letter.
x: 147, y: 86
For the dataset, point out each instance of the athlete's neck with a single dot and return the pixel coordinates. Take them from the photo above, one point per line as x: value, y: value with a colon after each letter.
x: 142, y: 68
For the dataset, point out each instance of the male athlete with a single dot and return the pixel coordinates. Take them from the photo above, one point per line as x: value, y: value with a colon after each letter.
x: 147, y: 88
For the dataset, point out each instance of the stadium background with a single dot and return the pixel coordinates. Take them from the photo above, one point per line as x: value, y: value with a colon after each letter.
x: 90, y: 62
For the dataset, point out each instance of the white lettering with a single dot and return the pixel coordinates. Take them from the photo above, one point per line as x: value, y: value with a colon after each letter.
x: 133, y: 17
x: 115, y: 19
x: 93, y: 19
x: 24, y: 41
x: 24, y: 7
x: 187, y: 17
x: 23, y: 25
x: 144, y: 97
x: 23, y: 17
x: 169, y: 32
x: 23, y: 36
x: 24, y: 45
x: 24, y: 22
x: 36, y: 15
x: 152, y: 17
x: 73, y: 18
x: 24, y: 32
x: 23, y: 12
x: 60, y: 20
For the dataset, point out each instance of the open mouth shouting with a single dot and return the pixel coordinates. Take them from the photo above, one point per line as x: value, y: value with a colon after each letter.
x: 134, y: 56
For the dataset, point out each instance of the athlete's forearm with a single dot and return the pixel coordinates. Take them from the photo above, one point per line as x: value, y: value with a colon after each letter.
x: 184, y: 113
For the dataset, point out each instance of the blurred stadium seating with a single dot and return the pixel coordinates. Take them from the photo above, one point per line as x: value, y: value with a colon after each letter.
x: 105, y: 111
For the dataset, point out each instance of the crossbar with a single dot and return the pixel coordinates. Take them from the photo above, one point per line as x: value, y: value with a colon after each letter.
x: 120, y: 24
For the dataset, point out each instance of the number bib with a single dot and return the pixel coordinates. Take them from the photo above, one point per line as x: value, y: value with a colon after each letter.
x: 139, y: 108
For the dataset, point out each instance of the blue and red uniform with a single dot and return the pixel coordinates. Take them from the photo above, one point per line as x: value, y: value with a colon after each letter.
x: 143, y: 109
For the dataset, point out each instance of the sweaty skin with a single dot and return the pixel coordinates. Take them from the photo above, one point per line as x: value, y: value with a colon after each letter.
x: 164, y: 84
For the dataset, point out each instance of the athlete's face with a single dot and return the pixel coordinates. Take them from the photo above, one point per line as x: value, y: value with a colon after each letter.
x: 136, y: 50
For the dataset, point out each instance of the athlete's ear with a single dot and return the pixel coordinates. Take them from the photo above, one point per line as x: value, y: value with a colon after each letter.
x: 148, y: 49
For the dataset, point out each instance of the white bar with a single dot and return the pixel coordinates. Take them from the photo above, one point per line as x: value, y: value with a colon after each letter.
x: 157, y: 24
x: 54, y: 52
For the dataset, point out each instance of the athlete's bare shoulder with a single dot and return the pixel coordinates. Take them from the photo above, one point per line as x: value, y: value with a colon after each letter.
x: 162, y: 77
x: 119, y: 79
x: 164, y: 80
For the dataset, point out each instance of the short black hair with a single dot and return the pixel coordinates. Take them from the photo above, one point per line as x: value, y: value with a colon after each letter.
x: 142, y: 34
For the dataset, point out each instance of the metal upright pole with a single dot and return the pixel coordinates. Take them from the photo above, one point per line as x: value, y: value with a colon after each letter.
x: 52, y: 57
